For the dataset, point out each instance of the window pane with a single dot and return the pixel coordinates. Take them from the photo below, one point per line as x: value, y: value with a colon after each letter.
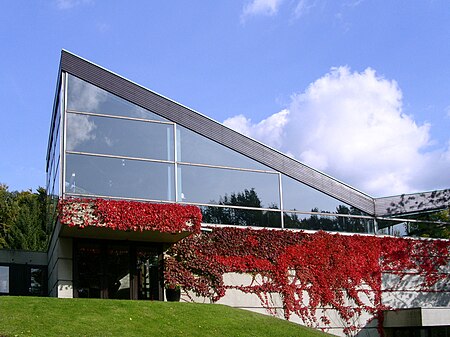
x: 85, y: 97
x: 119, y: 178
x: 4, y: 279
x: 118, y: 271
x: 148, y: 267
x: 54, y: 190
x: 56, y: 159
x: 228, y: 187
x: 193, y: 148
x: 240, y: 217
x: 396, y: 228
x: 300, y: 197
x: 37, y: 281
x: 119, y: 137
x: 88, y: 258
x: 52, y: 198
x: 328, y: 223
x: 54, y: 150
x: 49, y: 174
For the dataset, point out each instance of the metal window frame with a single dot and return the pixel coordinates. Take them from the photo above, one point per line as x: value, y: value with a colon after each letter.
x: 95, y: 114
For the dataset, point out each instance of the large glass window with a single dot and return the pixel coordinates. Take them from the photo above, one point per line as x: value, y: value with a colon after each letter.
x: 54, y: 150
x: 85, y: 97
x: 52, y: 198
x: 54, y: 168
x: 227, y: 187
x: 300, y: 197
x: 193, y: 148
x: 92, y: 175
x: 328, y: 223
x: 119, y: 137
x: 4, y: 280
x: 101, y: 125
x: 396, y: 228
x: 240, y: 217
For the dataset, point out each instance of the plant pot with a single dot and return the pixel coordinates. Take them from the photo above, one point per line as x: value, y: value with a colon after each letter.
x: 173, y: 295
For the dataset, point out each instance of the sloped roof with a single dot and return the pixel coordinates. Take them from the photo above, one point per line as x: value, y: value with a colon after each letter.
x: 412, y: 203
x: 221, y: 134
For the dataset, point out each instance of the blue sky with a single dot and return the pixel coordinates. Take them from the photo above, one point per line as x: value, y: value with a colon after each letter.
x: 357, y: 89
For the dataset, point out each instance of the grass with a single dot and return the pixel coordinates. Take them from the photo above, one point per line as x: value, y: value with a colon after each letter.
x: 33, y: 316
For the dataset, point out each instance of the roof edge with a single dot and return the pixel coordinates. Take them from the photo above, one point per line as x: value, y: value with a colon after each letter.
x: 412, y: 203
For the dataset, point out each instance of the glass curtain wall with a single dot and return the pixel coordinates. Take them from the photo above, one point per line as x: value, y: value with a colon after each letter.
x: 115, y: 149
x: 54, y: 157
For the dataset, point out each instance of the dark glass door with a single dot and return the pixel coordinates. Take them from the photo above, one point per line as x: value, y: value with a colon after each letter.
x: 117, y: 270
x: 148, y: 272
x: 88, y: 270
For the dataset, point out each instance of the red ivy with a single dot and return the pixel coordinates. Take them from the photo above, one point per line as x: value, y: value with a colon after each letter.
x: 335, y: 271
x: 129, y: 215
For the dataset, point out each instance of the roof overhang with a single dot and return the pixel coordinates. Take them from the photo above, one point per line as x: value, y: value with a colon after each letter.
x: 111, y: 234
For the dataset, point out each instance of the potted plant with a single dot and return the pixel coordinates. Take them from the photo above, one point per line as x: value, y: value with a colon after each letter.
x: 173, y: 292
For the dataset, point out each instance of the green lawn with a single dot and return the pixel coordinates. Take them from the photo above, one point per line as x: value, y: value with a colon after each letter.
x: 32, y: 316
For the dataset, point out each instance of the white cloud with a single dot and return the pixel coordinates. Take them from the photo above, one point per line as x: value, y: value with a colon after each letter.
x: 351, y: 126
x: 270, y: 129
x: 68, y: 4
x: 261, y: 7
x: 88, y: 97
x: 303, y: 7
x: 81, y: 130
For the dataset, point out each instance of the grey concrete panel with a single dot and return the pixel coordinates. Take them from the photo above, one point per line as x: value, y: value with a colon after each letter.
x: 23, y: 257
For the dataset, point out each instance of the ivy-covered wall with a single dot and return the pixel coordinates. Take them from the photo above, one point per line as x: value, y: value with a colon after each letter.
x: 321, y: 279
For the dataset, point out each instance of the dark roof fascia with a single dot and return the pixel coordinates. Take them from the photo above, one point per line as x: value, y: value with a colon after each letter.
x: 412, y: 203
x: 213, y: 130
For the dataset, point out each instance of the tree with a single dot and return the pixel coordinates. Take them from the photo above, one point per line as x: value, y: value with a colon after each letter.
x: 7, y: 214
x: 328, y: 221
x: 439, y: 229
x: 23, y: 219
x: 241, y: 217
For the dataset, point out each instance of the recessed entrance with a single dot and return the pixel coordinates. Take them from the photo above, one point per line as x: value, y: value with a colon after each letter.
x: 117, y: 270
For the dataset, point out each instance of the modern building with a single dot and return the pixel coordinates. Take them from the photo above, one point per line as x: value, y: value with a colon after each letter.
x: 111, y: 138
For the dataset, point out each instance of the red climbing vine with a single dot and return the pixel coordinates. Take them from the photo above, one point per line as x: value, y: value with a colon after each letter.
x: 129, y: 215
x: 309, y: 271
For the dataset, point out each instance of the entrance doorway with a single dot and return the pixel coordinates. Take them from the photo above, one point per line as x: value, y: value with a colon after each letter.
x: 117, y: 270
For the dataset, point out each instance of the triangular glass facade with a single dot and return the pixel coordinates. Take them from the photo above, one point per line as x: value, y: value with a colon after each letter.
x: 114, y: 148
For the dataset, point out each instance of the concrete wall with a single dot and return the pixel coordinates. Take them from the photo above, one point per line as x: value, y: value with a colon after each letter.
x: 8, y: 256
x: 407, y: 292
x: 60, y: 258
x: 397, y: 293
